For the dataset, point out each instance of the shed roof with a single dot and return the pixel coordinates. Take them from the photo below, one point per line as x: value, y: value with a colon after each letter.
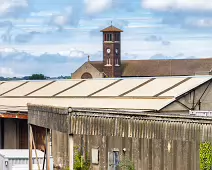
x: 148, y: 93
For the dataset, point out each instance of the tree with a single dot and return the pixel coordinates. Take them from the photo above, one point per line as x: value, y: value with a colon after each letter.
x: 205, y: 156
x: 37, y: 77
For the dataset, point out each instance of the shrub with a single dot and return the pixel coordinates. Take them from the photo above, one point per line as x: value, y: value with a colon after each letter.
x: 127, y: 164
x: 205, y: 156
x: 79, y: 161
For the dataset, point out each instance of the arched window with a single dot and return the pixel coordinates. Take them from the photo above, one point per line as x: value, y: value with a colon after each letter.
x: 86, y: 76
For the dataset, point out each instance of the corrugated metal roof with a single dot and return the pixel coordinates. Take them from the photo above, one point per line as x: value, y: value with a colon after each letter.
x: 121, y: 87
x: 7, y: 86
x: 156, y: 86
x: 186, y: 86
x: 55, y: 88
x: 27, y: 88
x: 87, y: 87
x: 125, y: 93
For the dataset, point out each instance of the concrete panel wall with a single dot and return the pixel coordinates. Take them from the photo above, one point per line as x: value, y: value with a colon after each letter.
x: 60, y: 149
x: 146, y: 154
x: 155, y: 145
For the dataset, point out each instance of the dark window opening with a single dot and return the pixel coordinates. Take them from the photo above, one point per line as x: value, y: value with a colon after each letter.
x: 108, y: 37
x: 117, y: 37
x: 86, y: 76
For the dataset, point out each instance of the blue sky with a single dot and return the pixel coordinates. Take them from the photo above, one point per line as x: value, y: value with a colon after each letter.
x: 54, y: 37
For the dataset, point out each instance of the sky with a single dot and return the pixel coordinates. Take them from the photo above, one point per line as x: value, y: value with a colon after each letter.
x: 54, y: 37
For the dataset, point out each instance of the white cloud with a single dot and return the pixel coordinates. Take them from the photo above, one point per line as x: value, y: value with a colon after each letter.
x: 13, y: 8
x: 97, y: 6
x: 191, y: 5
x: 44, y: 13
x: 199, y: 22
x: 6, y: 72
x: 69, y: 16
x: 73, y: 53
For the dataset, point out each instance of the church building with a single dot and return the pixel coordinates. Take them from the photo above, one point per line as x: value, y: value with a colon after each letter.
x: 113, y: 66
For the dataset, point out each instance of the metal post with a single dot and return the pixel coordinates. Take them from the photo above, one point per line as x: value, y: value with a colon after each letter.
x: 50, y: 142
x: 71, y: 152
x: 47, y: 150
x: 30, y: 145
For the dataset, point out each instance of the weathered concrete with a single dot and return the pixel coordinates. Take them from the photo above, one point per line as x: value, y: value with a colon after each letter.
x: 152, y: 141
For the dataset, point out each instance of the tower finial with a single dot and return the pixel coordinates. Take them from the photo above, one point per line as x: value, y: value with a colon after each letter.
x: 111, y: 23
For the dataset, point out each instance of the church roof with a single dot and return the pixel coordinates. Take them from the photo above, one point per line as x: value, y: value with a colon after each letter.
x: 175, y: 67
x: 111, y: 29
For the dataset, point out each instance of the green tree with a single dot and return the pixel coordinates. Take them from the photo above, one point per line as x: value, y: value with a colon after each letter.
x: 79, y: 161
x: 37, y: 77
x: 205, y: 156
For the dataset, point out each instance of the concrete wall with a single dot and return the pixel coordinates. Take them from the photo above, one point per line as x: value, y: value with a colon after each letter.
x: 60, y: 149
x: 150, y: 144
x: 152, y: 141
x: 154, y: 154
x: 87, y: 67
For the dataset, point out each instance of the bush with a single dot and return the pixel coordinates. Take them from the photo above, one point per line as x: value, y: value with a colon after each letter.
x: 79, y: 161
x: 127, y: 164
x: 205, y: 156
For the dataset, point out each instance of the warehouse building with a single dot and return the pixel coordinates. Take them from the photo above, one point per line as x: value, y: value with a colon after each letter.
x: 147, y: 120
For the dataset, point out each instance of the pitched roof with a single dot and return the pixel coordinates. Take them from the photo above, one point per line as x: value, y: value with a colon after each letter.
x: 111, y: 29
x: 176, y: 67
x: 120, y: 93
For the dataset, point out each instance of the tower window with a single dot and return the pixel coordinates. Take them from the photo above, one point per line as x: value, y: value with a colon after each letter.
x: 116, y: 62
x: 117, y: 37
x: 105, y: 37
x: 108, y: 62
x: 108, y: 37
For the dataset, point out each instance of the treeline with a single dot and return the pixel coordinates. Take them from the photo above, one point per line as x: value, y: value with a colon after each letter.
x: 33, y: 77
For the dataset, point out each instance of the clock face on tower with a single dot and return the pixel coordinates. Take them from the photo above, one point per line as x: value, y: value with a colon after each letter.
x: 108, y: 50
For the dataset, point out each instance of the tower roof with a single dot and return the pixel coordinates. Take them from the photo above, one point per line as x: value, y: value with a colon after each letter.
x: 111, y: 29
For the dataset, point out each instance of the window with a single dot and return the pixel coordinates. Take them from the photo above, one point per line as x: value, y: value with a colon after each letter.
x: 95, y: 156
x: 108, y: 63
x: 105, y: 37
x: 117, y: 37
x: 86, y: 76
x: 113, y: 160
x: 116, y: 62
x: 108, y: 37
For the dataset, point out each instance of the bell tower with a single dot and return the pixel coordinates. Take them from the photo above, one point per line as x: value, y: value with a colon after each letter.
x: 112, y: 51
